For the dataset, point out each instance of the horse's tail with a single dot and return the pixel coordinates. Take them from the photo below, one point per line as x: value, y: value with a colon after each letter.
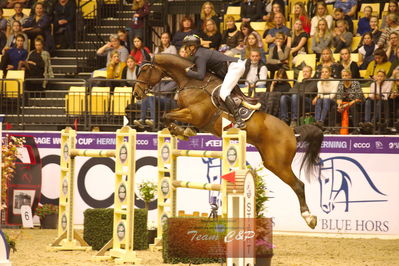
x: 312, y: 137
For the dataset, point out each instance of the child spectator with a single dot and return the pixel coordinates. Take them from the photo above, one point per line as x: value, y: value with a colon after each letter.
x: 363, y: 25
x: 139, y: 51
x: 321, y: 13
x: 342, y: 38
x: 326, y: 92
x: 166, y: 47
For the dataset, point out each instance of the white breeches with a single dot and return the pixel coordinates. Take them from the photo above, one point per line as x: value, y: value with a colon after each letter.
x: 234, y: 73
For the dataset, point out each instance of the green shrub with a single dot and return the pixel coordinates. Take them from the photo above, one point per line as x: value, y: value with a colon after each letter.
x: 98, y: 226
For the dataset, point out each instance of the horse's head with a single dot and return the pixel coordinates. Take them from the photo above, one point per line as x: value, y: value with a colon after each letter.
x: 149, y: 75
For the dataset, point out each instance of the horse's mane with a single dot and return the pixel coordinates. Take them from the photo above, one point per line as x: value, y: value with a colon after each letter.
x: 173, y: 60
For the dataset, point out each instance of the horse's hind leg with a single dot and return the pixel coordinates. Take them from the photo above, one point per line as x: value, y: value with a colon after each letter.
x: 273, y: 160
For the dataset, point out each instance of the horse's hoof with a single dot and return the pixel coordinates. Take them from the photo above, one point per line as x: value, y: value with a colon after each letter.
x: 311, y: 220
x: 188, y: 132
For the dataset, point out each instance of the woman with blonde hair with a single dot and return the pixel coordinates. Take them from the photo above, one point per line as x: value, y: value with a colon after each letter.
x: 327, y: 60
x: 115, y: 66
x: 232, y: 37
x: 207, y: 12
x: 300, y: 14
x: 322, y: 38
x: 321, y: 13
x: 326, y: 93
x: 210, y: 36
x: 251, y: 43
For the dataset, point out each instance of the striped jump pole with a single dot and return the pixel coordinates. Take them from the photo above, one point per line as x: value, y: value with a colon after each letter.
x: 121, y: 245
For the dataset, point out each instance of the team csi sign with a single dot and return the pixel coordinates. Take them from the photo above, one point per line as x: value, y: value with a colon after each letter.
x: 348, y: 193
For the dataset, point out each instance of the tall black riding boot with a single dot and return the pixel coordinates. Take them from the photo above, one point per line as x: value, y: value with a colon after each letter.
x: 232, y: 109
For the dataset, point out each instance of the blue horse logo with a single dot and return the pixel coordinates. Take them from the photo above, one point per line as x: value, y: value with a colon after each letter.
x: 336, y: 183
x: 213, y: 173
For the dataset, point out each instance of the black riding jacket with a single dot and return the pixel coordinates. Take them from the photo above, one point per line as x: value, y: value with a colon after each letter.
x: 210, y: 60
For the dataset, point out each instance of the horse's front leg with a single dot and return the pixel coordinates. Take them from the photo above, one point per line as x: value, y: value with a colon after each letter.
x: 182, y: 115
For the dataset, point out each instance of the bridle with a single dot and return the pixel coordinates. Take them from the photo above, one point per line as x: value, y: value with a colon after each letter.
x: 149, y: 86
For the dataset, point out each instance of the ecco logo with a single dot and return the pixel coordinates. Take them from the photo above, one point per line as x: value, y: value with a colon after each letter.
x: 363, y: 145
x: 142, y: 142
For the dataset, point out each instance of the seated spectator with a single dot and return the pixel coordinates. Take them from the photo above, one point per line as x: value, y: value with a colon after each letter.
x: 312, y: 7
x: 327, y: 60
x: 279, y: 22
x: 251, y: 10
x: 232, y: 37
x: 340, y: 15
x: 246, y: 29
x: 342, y: 38
x: 141, y: 9
x: 182, y: 52
x: 380, y: 62
x: 322, y: 38
x: 392, y: 25
x: 278, y: 54
x: 347, y: 63
x: 131, y: 70
x: 210, y: 36
x: 115, y: 68
x: 269, y: 18
x: 3, y: 22
x: 277, y: 88
x: 300, y: 14
x: 48, y: 7
x: 208, y: 12
x: 366, y: 51
x: 326, y: 92
x: 113, y: 45
x: 251, y: 43
x: 374, y: 29
x: 3, y: 40
x: 395, y: 63
x: 321, y: 13
x: 393, y: 8
x: 11, y: 3
x: 307, y: 88
x: 363, y: 25
x: 140, y: 52
x: 64, y: 23
x: 348, y: 6
x: 11, y: 40
x: 10, y: 60
x: 37, y: 65
x: 39, y: 24
x: 166, y: 47
x: 349, y: 96
x: 392, y: 45
x: 123, y: 37
x: 272, y: 6
x: 380, y: 90
x: 186, y: 28
x: 255, y: 72
x: 299, y: 40
x: 18, y: 16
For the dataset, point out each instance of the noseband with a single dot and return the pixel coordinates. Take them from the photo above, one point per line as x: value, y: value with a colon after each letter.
x: 149, y: 86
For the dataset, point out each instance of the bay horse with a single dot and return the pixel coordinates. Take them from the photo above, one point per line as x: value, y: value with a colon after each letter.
x: 275, y: 140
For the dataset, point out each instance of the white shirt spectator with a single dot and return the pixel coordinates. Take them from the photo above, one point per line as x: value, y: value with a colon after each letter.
x: 252, y: 76
x: 327, y: 89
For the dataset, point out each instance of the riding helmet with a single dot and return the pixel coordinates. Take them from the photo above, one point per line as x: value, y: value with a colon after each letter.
x: 192, y: 40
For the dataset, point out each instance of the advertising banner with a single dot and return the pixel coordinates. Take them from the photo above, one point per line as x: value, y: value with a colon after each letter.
x: 354, y: 191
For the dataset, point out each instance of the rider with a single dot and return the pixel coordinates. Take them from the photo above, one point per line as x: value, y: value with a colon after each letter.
x: 217, y: 63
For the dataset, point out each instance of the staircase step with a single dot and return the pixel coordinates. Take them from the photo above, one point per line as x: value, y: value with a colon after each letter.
x: 116, y: 22
x: 44, y: 110
x: 64, y: 68
x: 39, y: 119
x: 61, y: 87
x: 63, y: 60
x: 45, y: 102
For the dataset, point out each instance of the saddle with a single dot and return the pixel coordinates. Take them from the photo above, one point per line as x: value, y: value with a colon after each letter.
x: 246, y: 105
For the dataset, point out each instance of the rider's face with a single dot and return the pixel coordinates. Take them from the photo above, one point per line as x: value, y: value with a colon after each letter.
x: 190, y: 49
